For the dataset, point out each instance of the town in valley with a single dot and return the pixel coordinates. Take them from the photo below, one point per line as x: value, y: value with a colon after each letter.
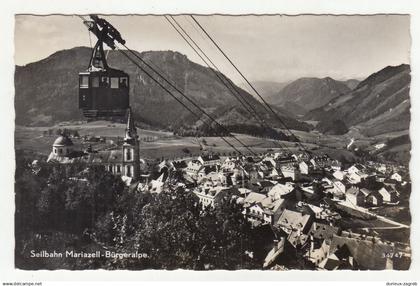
x: 325, y: 185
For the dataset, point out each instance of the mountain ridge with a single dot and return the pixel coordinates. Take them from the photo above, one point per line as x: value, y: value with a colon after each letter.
x: 379, y: 104
x: 47, y: 90
x: 308, y: 93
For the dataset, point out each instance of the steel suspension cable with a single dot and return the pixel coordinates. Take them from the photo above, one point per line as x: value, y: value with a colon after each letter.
x: 188, y: 99
x: 229, y: 85
x: 177, y: 99
x: 266, y: 105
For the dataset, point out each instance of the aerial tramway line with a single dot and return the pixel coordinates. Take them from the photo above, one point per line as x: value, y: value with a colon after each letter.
x: 104, y: 91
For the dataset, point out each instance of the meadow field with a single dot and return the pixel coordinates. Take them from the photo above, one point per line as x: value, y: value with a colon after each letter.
x: 163, y: 144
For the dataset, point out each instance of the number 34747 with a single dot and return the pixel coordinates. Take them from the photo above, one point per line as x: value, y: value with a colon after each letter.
x: 392, y: 255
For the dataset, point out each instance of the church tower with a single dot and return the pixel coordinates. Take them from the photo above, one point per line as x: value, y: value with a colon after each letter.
x: 131, y: 150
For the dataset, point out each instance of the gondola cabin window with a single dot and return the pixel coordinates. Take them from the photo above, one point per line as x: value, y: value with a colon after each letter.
x: 123, y: 82
x: 95, y: 81
x: 84, y: 81
x: 114, y: 82
x: 104, y: 81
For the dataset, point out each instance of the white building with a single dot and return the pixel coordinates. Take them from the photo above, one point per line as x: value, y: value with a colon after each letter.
x: 280, y: 190
x: 397, y: 177
x: 229, y: 165
x: 388, y: 194
x: 208, y: 195
x: 335, y: 187
x: 304, y: 168
x: 354, y: 178
x: 290, y: 171
x: 259, y: 208
x: 193, y: 167
x: 124, y: 162
x: 156, y: 186
x: 339, y: 175
x: 209, y: 160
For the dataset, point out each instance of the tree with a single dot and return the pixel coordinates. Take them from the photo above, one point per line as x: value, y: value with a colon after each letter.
x: 177, y: 233
x: 91, y: 208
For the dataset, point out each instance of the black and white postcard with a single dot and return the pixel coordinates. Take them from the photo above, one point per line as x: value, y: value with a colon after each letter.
x: 268, y: 141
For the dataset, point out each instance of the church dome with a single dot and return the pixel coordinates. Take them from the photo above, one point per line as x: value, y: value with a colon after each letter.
x: 63, y: 141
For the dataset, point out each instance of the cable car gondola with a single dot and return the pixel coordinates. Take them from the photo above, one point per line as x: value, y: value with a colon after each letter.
x: 103, y: 91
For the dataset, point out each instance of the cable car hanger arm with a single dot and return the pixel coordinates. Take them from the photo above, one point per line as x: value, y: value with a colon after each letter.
x: 106, y: 33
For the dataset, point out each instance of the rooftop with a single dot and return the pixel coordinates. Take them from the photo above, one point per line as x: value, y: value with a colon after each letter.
x: 293, y: 220
x: 63, y: 140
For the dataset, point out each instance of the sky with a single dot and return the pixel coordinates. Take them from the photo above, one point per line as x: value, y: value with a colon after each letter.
x: 265, y: 48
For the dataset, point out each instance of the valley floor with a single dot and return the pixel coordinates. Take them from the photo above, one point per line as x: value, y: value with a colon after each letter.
x: 157, y: 144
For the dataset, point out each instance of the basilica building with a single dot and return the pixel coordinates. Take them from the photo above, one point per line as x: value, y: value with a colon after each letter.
x: 124, y: 161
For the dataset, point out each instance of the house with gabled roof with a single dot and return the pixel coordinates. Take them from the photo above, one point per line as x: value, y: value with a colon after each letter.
x: 375, y: 198
x: 389, y: 194
x: 261, y: 208
x: 321, y: 162
x: 229, y: 164
x: 304, y: 168
x: 193, y: 167
x: 341, y: 258
x: 339, y: 175
x: 356, y: 168
x: 280, y: 190
x: 355, y: 196
x: 294, y: 221
x: 211, y: 196
x: 290, y: 171
x: 322, y: 231
x: 396, y: 177
x: 284, y: 160
x: 317, y: 254
x: 295, y: 226
x: 334, y: 187
x: 156, y: 186
x: 209, y: 160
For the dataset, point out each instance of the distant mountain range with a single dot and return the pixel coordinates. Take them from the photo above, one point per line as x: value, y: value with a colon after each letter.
x: 305, y: 94
x: 376, y: 105
x: 267, y: 89
x: 379, y: 104
x: 351, y: 83
x: 47, y: 91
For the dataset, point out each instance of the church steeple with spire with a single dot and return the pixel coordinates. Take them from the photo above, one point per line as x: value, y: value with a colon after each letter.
x: 131, y: 150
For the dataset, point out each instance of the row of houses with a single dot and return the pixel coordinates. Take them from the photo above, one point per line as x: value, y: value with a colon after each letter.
x: 363, y: 186
x: 280, y: 191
